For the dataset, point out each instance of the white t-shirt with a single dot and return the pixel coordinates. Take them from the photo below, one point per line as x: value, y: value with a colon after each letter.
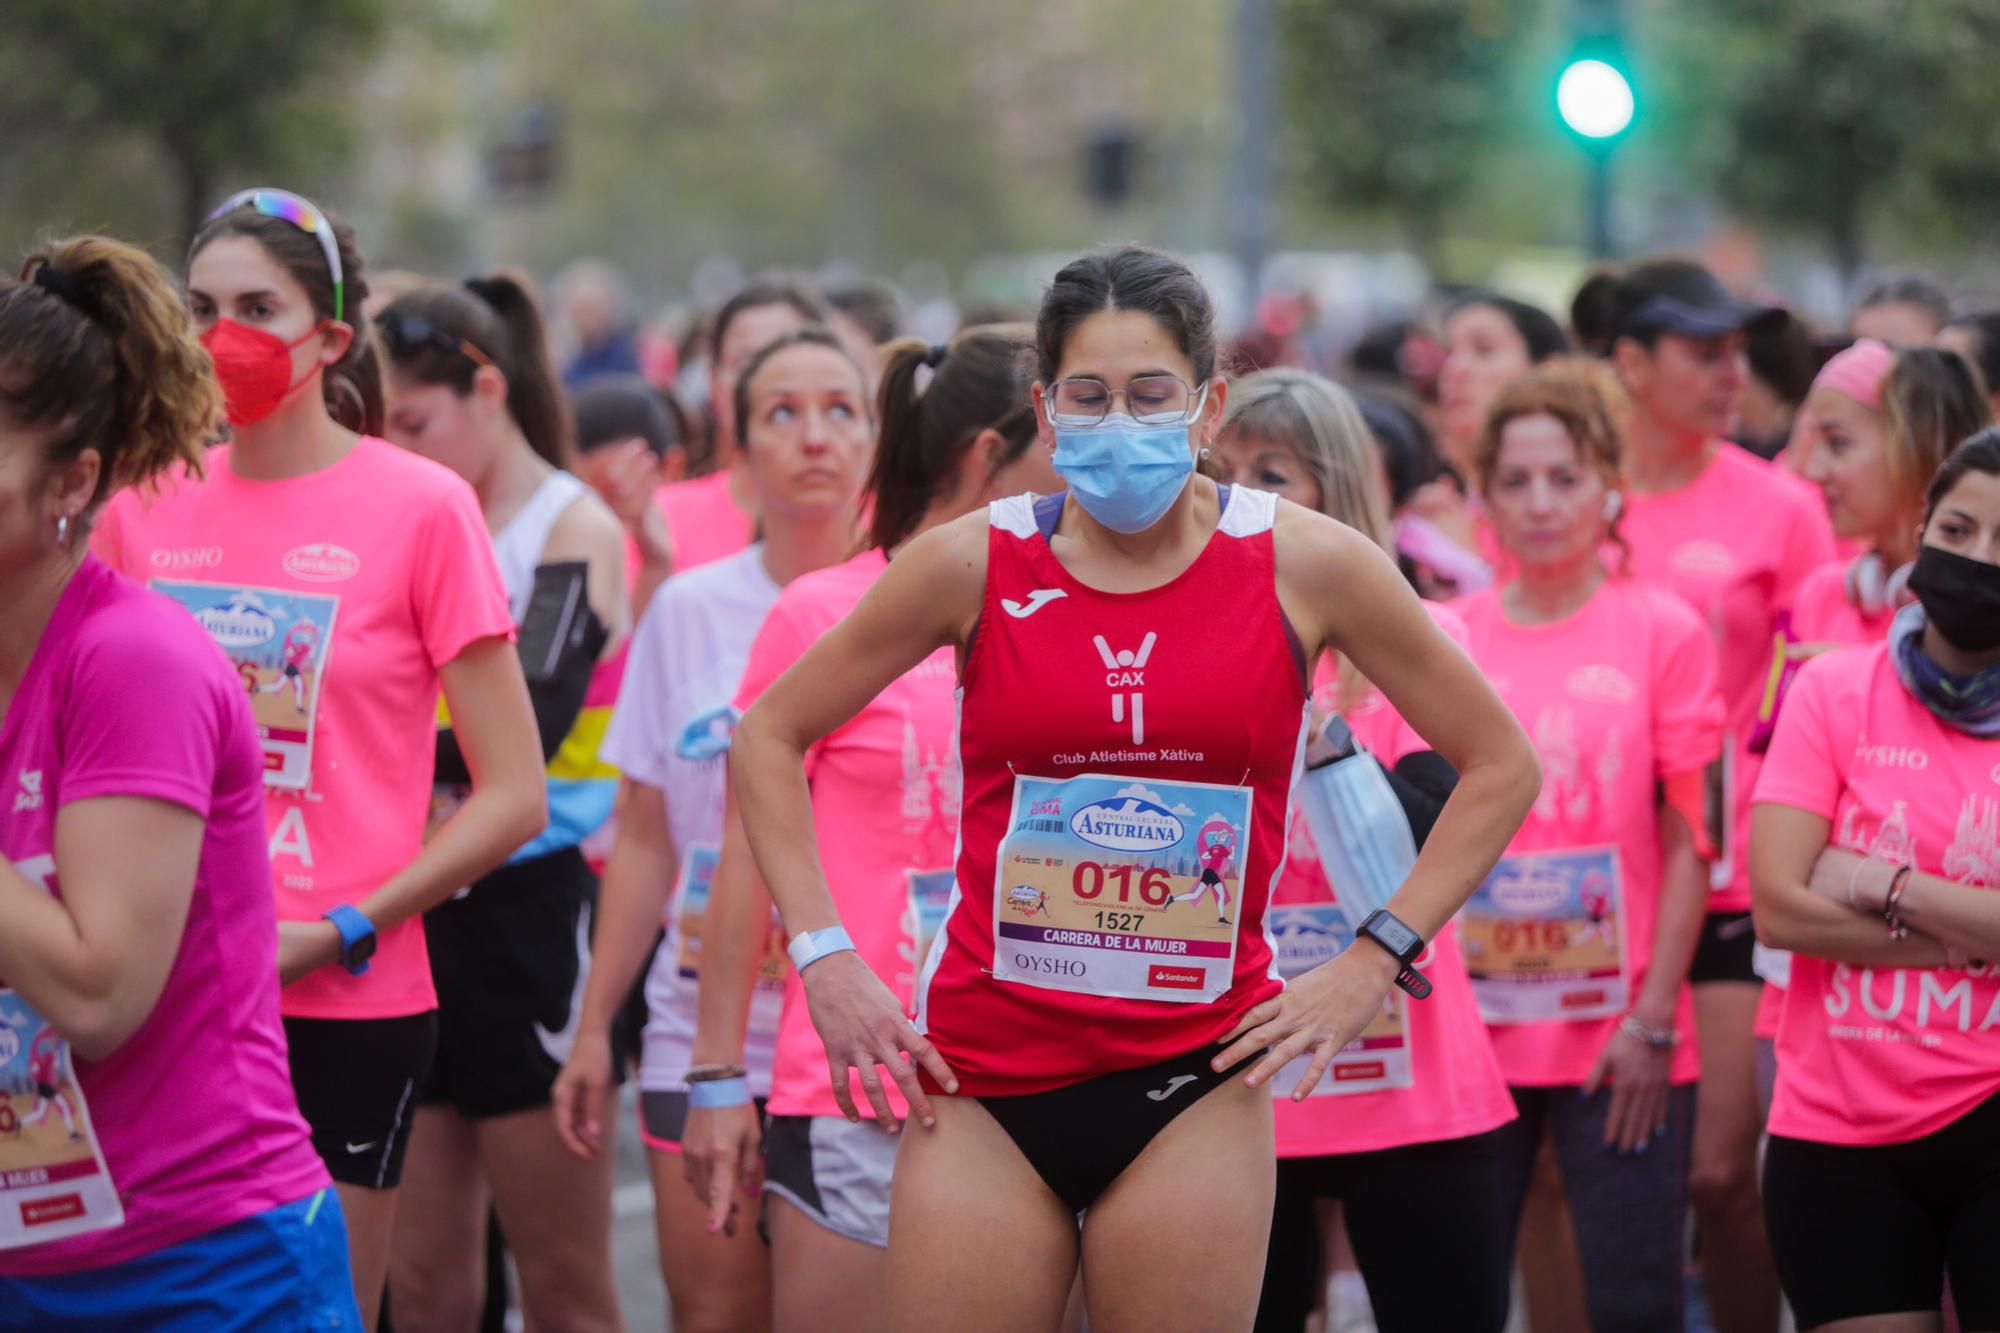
x: 671, y: 731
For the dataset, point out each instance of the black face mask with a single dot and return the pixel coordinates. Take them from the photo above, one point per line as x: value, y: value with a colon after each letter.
x: 1961, y: 598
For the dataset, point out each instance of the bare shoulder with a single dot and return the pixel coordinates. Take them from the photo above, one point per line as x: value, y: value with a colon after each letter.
x: 942, y: 573
x: 586, y: 528
x: 1311, y: 547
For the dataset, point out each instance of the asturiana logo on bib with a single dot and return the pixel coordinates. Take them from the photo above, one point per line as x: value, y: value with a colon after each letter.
x: 322, y: 562
x: 240, y: 622
x: 1528, y: 891
x: 1128, y: 822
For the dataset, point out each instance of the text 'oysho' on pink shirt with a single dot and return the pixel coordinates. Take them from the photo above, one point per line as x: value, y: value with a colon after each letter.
x: 1872, y: 1055
x: 885, y: 799
x: 194, y: 1111
x: 1617, y: 698
x: 1734, y: 544
x: 385, y: 557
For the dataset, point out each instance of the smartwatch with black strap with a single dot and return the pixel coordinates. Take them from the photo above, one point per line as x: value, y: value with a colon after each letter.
x: 1403, y: 944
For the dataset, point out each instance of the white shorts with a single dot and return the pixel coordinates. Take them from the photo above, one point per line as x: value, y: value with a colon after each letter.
x: 834, y: 1171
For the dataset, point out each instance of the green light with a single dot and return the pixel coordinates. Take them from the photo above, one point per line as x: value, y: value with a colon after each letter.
x: 1594, y: 99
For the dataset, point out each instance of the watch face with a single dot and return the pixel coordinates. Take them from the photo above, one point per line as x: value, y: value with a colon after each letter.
x: 1402, y: 941
x: 364, y: 948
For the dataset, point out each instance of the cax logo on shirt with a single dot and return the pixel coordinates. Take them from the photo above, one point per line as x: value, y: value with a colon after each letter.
x: 1124, y: 670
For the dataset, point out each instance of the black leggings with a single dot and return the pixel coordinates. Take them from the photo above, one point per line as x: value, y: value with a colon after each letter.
x: 1876, y: 1230
x: 1427, y: 1229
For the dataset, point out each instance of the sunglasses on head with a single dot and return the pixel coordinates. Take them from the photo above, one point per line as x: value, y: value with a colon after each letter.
x: 306, y: 216
x: 407, y: 334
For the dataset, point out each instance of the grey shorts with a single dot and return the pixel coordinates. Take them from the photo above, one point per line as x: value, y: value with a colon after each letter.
x: 663, y: 1118
x: 836, y: 1172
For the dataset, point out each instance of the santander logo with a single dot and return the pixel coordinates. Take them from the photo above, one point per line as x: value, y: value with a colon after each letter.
x: 321, y: 562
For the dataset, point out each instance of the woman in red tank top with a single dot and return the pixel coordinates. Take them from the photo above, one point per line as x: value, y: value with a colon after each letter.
x: 1131, y: 660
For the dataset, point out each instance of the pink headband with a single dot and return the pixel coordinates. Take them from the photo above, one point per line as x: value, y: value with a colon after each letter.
x: 1858, y: 372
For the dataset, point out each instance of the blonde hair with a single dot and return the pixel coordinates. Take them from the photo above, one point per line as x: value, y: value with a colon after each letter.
x: 1932, y: 400
x: 1320, y: 424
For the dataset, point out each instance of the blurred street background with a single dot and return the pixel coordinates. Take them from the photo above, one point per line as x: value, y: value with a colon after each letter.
x: 1331, y: 165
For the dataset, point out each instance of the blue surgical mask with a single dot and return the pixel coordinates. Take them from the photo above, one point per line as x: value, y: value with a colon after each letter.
x: 1125, y: 475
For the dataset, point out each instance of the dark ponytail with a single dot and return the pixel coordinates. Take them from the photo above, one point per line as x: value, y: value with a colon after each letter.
x: 979, y: 382
x: 352, y: 386
x: 1593, y: 312
x: 97, y: 349
x: 498, y: 315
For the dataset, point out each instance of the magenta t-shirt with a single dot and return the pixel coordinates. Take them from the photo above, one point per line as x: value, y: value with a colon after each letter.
x: 1872, y: 1055
x: 125, y: 696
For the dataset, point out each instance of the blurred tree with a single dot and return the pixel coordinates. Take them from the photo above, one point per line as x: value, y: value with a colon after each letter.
x: 1832, y: 115
x: 1394, y: 105
x: 180, y: 93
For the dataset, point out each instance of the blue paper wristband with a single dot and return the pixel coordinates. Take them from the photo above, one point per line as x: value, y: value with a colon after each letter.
x: 718, y: 1093
x: 814, y: 945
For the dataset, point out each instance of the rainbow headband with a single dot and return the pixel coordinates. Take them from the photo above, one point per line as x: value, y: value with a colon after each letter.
x: 307, y: 217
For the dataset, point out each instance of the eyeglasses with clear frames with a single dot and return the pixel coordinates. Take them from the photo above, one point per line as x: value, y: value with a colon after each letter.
x: 1150, y: 400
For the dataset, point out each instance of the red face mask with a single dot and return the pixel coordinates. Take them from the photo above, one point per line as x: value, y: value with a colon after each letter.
x: 254, y: 368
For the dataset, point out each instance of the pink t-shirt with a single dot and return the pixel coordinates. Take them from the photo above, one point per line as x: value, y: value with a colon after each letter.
x: 1734, y: 543
x: 194, y: 1112
x: 1617, y: 698
x: 1885, y: 1055
x: 1455, y: 1088
x: 704, y: 520
x: 386, y: 555
x: 1821, y: 612
x: 885, y: 789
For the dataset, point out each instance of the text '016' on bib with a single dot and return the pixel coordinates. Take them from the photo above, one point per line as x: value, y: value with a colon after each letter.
x: 1544, y: 937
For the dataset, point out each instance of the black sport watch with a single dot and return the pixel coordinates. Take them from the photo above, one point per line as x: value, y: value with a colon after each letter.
x: 1403, y: 945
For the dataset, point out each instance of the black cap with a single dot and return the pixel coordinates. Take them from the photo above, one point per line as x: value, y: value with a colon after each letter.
x: 1684, y: 298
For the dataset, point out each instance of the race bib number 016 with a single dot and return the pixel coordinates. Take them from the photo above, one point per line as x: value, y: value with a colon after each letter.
x: 278, y: 643
x: 53, y: 1181
x: 1110, y: 886
x: 1307, y: 935
x: 1544, y: 937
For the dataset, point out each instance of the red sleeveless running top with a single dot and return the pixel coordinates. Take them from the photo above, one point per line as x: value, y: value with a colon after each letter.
x: 1189, y: 701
